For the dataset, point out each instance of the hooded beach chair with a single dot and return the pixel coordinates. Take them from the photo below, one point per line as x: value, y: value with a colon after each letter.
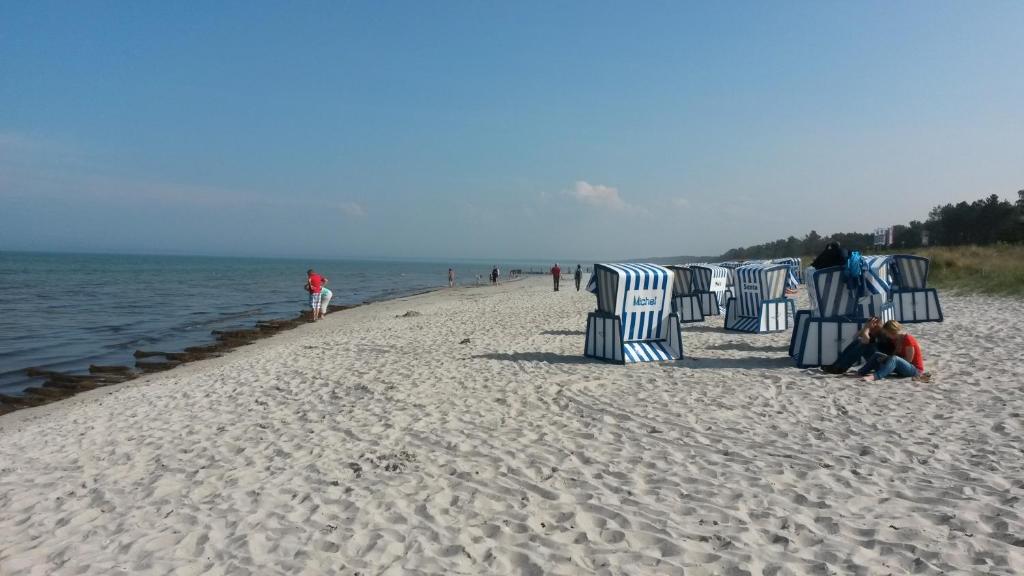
x: 633, y: 321
x: 685, y: 302
x: 796, y: 276
x: 914, y: 301
x: 843, y: 306
x: 759, y: 304
x: 710, y: 285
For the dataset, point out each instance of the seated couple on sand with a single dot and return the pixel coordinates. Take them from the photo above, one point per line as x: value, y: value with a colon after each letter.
x: 887, y: 350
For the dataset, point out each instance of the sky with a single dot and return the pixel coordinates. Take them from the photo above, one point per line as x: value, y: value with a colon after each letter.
x: 487, y: 130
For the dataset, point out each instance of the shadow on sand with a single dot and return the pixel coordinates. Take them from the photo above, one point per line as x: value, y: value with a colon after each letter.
x: 745, y: 347
x: 549, y: 357
x: 749, y: 363
x: 701, y: 328
x: 563, y: 333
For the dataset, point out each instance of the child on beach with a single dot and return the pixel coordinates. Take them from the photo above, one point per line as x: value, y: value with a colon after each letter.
x: 906, y: 359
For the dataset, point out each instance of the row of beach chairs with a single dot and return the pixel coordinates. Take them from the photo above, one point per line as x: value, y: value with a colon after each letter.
x: 641, y: 308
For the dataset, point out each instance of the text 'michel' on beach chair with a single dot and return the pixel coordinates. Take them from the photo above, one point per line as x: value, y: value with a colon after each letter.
x: 633, y: 321
x: 843, y: 306
x: 914, y: 301
x: 759, y: 304
x: 685, y: 302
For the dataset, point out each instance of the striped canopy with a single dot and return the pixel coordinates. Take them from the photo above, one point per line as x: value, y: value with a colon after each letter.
x: 710, y: 278
x: 683, y: 284
x: 638, y: 293
x: 911, y: 271
x: 877, y: 277
x: 834, y: 295
x: 756, y: 283
x: 794, y: 280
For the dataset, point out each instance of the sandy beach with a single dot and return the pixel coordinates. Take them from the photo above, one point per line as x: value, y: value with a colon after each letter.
x: 471, y: 436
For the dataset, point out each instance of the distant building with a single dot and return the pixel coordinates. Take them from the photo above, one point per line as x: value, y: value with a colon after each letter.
x: 883, y: 237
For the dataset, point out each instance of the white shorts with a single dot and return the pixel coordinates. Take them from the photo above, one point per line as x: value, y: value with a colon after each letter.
x: 325, y: 298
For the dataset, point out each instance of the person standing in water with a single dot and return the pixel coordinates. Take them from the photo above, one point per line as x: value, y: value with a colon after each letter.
x: 578, y: 276
x: 314, y: 285
x: 451, y: 278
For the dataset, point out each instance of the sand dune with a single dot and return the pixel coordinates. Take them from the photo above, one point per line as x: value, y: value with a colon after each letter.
x: 377, y: 443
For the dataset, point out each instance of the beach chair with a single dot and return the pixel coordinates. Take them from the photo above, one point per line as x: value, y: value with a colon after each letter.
x: 710, y: 285
x: 730, y: 281
x: 914, y: 301
x: 796, y: 276
x: 633, y: 321
x: 843, y: 306
x: 759, y: 304
x: 685, y: 303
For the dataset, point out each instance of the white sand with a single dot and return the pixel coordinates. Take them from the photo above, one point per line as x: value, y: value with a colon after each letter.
x: 374, y: 444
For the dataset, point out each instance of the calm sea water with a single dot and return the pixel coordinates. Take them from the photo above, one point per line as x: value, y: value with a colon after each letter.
x: 66, y: 311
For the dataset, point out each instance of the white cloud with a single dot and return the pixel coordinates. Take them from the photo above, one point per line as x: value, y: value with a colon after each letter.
x: 597, y: 195
x: 352, y: 209
x: 681, y: 202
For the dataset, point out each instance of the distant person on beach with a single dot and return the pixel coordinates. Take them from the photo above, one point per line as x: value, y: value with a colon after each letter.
x: 314, y: 285
x: 869, y: 340
x: 451, y: 278
x: 578, y: 276
x: 905, y: 361
x: 556, y: 274
x: 832, y: 255
x: 494, y: 276
x: 325, y: 299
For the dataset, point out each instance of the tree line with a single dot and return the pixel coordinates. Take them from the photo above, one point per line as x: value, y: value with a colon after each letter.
x: 982, y: 222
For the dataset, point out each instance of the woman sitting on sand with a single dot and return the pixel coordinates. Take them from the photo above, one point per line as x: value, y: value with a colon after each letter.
x: 906, y: 360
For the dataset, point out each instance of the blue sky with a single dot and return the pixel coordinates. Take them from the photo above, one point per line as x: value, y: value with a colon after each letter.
x: 496, y: 130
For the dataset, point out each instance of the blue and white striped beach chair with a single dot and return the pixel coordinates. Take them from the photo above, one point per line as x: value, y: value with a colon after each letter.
x: 685, y: 302
x: 877, y: 287
x: 759, y: 304
x: 633, y: 321
x: 796, y: 275
x: 710, y: 285
x: 842, y: 308
x: 914, y: 300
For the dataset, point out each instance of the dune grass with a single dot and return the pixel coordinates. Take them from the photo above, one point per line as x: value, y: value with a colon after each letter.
x: 997, y: 269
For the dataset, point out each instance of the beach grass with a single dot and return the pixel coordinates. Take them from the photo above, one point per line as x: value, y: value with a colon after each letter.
x: 997, y: 269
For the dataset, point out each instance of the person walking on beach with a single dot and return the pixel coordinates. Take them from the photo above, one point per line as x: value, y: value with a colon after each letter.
x: 314, y: 285
x: 578, y: 276
x: 556, y: 275
x: 494, y: 276
x: 451, y: 278
x: 906, y: 359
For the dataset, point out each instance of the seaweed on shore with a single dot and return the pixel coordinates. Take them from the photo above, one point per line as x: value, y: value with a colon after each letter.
x: 58, y: 385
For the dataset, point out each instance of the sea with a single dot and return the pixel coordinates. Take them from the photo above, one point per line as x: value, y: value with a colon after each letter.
x: 64, y: 312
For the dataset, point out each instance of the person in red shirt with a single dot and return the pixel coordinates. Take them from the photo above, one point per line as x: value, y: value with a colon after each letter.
x: 314, y: 285
x: 906, y: 359
x: 556, y: 273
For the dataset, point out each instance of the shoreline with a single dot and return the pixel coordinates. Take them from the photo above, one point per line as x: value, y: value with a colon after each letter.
x: 18, y: 415
x: 56, y: 385
x: 59, y: 386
